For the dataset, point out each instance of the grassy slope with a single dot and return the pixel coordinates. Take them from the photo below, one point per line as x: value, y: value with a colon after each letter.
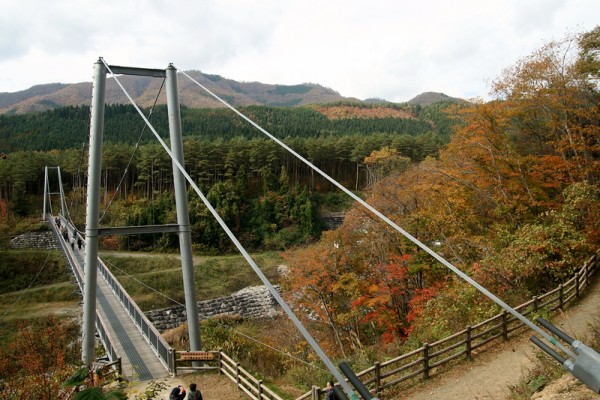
x: 23, y: 296
x: 216, y: 276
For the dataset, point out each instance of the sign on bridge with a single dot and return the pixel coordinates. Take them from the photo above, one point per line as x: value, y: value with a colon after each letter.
x: 196, y: 356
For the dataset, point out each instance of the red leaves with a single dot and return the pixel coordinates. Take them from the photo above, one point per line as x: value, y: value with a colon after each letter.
x: 386, y: 296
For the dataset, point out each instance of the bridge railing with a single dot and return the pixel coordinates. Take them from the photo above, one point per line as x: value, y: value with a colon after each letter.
x: 107, y: 342
x: 75, y: 267
x: 105, y: 337
x: 152, y: 335
x: 422, y: 361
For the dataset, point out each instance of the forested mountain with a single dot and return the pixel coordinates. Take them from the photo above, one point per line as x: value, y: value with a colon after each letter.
x: 67, y: 127
x: 267, y: 194
x: 8, y: 99
x: 145, y: 90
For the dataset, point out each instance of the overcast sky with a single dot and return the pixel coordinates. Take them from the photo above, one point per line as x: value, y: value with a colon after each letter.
x: 371, y: 48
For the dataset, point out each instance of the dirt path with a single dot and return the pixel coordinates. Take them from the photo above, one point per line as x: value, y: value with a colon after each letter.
x: 213, y: 387
x: 491, y: 373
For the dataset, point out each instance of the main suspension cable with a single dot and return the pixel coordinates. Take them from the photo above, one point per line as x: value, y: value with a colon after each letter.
x: 391, y: 223
x: 335, y: 372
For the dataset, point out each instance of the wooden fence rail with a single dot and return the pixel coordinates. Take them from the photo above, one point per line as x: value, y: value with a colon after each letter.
x: 217, y: 360
x: 421, y: 361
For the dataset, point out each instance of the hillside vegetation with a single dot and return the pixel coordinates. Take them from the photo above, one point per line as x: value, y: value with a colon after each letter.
x: 512, y: 200
x: 67, y: 127
x: 266, y: 195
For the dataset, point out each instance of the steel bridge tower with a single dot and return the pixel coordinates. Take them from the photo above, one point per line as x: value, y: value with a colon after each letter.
x: 92, y: 226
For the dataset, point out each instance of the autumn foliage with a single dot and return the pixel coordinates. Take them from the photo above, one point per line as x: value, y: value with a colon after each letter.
x: 39, y: 359
x: 511, y: 200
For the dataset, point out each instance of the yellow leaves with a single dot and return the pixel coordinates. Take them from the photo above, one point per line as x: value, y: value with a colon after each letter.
x: 383, y: 162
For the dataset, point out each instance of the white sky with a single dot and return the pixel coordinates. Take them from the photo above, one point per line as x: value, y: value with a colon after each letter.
x: 371, y: 48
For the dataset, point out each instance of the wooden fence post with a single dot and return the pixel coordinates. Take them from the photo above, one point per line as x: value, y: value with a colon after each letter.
x: 577, y: 284
x: 505, y: 324
x: 220, y: 361
x: 237, y: 375
x: 535, y: 304
x: 377, y: 376
x: 315, y: 393
x: 561, y: 296
x: 468, y: 342
x: 259, y: 390
x: 425, y: 360
x: 173, y: 357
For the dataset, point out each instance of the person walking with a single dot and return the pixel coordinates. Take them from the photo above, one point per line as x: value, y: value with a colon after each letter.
x: 72, y: 241
x: 194, y: 393
x: 330, y: 394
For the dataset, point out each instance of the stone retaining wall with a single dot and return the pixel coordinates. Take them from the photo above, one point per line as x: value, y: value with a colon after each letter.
x: 250, y: 302
x: 36, y: 240
x: 333, y: 220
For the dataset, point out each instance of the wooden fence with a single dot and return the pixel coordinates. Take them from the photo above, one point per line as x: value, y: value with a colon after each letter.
x: 420, y: 362
x: 217, y: 360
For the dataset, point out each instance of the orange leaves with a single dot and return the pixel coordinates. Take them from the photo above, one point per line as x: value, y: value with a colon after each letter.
x: 39, y: 359
x: 495, y: 199
x: 385, y: 296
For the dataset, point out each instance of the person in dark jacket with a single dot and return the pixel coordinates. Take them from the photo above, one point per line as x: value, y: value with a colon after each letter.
x: 177, y: 393
x: 194, y: 394
x: 329, y: 390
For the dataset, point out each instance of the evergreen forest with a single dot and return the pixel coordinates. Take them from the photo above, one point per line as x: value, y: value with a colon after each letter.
x: 263, y: 192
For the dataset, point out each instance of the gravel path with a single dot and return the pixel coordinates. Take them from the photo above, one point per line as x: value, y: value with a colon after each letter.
x: 491, y: 373
x: 212, y: 386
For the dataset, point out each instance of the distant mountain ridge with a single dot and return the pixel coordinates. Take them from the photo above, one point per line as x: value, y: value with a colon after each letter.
x: 428, y: 98
x: 145, y: 90
x: 8, y: 99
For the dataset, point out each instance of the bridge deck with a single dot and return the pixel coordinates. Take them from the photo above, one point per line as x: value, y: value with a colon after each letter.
x: 139, y: 362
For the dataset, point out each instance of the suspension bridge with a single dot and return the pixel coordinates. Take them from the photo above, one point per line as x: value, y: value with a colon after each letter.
x: 126, y: 334
x: 124, y: 330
